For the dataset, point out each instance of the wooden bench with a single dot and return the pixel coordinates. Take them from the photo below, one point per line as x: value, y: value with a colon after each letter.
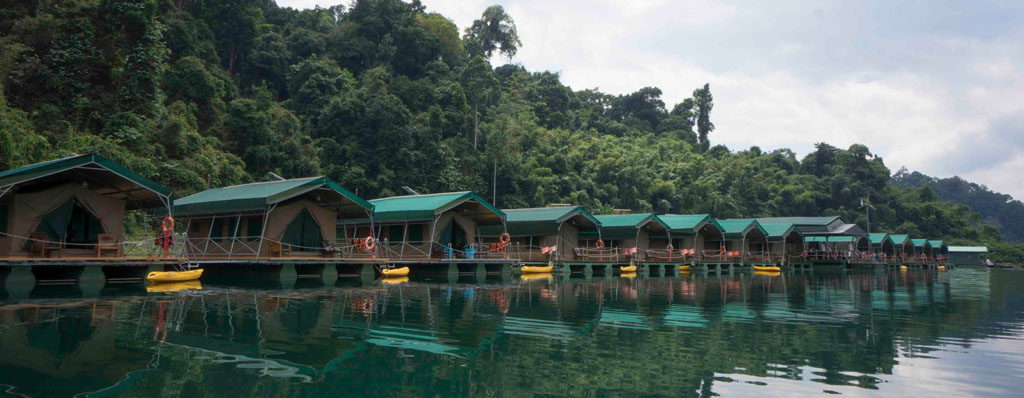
x: 107, y: 243
x: 41, y: 245
x: 278, y: 249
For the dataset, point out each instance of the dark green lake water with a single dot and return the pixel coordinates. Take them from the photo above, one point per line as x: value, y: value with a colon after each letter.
x: 922, y: 333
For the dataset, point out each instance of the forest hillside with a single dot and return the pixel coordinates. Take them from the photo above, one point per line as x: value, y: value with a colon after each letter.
x: 381, y: 94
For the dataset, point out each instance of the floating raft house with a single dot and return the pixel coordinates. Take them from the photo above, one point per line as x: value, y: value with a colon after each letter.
x: 73, y: 208
x: 275, y: 219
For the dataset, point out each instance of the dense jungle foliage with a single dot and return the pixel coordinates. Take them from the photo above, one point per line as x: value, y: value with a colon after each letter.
x: 381, y: 94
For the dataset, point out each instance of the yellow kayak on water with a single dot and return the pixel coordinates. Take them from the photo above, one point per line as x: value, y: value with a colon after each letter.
x: 941, y: 267
x: 536, y: 269
x: 684, y: 267
x: 393, y: 272
x: 903, y: 267
x: 628, y: 268
x: 174, y: 287
x: 770, y: 268
x: 174, y: 276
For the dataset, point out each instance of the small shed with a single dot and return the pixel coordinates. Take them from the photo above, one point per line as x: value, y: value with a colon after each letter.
x: 939, y: 248
x: 693, y: 233
x: 785, y: 242
x: 902, y: 245
x: 747, y: 237
x: 967, y: 255
x: 631, y: 231
x: 69, y: 204
x: 287, y: 218
x: 431, y: 226
x: 882, y: 245
x: 534, y: 229
x: 921, y: 246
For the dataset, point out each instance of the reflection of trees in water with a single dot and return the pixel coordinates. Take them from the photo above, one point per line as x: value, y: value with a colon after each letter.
x: 577, y: 338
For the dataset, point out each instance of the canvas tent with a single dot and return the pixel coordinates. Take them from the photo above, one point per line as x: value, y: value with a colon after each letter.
x: 966, y: 255
x: 693, y: 231
x: 631, y: 231
x: 532, y: 229
x: 418, y: 227
x: 745, y: 236
x: 247, y: 221
x: 71, y: 200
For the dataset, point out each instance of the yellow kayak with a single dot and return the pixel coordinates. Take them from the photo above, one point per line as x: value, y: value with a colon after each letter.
x: 174, y: 276
x: 395, y: 280
x: 536, y: 269
x: 903, y: 267
x: 174, y: 287
x: 684, y: 267
x: 628, y: 268
x: 768, y: 273
x: 770, y: 268
x: 393, y: 272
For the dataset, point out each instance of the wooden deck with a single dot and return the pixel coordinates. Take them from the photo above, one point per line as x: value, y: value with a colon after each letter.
x: 88, y: 260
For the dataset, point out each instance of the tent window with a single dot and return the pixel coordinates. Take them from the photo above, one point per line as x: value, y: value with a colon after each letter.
x: 223, y: 228
x: 396, y: 233
x: 415, y: 233
x: 254, y: 227
x: 454, y: 235
x: 3, y: 218
x: 303, y: 233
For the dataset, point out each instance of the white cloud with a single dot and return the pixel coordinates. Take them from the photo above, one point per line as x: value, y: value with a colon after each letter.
x: 920, y: 88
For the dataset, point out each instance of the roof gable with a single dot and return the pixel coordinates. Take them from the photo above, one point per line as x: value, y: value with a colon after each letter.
x: 103, y: 173
x: 417, y: 207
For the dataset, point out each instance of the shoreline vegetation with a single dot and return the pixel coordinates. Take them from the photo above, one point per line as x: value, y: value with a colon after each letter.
x: 382, y: 94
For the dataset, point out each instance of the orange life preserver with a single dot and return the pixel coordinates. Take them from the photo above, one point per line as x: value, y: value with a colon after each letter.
x: 369, y: 243
x: 505, y: 238
x: 804, y: 254
x: 163, y: 225
x: 669, y: 247
x: 599, y: 244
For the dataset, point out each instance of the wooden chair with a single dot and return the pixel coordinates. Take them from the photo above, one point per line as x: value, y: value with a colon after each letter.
x: 42, y: 246
x: 278, y: 249
x: 107, y: 243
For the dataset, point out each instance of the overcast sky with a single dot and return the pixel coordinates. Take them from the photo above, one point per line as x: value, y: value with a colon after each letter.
x: 935, y: 86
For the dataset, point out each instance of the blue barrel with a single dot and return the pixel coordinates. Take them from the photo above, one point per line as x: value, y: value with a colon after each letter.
x: 470, y: 251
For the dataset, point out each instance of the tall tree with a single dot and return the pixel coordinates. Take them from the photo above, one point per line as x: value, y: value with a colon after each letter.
x: 704, y: 102
x: 494, y: 31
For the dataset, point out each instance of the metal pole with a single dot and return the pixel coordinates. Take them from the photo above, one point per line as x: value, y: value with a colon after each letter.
x: 234, y: 236
x: 263, y: 230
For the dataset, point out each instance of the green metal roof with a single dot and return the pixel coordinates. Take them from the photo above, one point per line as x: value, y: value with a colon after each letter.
x: 842, y: 239
x: 920, y: 242
x: 422, y: 207
x: 689, y: 223
x: 899, y: 240
x: 813, y: 239
x: 627, y: 220
x: 780, y: 231
x: 537, y: 221
x: 798, y: 220
x: 879, y: 238
x: 936, y: 243
x: 736, y: 228
x: 256, y: 196
x: 968, y: 249
x: 51, y: 168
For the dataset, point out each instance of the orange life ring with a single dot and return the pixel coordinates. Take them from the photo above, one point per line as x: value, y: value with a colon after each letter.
x: 599, y: 244
x: 669, y: 247
x: 369, y: 243
x: 505, y: 238
x: 804, y: 254
x: 163, y: 225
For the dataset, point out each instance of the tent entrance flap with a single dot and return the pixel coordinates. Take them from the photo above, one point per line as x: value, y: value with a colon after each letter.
x: 303, y: 232
x: 453, y: 234
x: 72, y: 223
